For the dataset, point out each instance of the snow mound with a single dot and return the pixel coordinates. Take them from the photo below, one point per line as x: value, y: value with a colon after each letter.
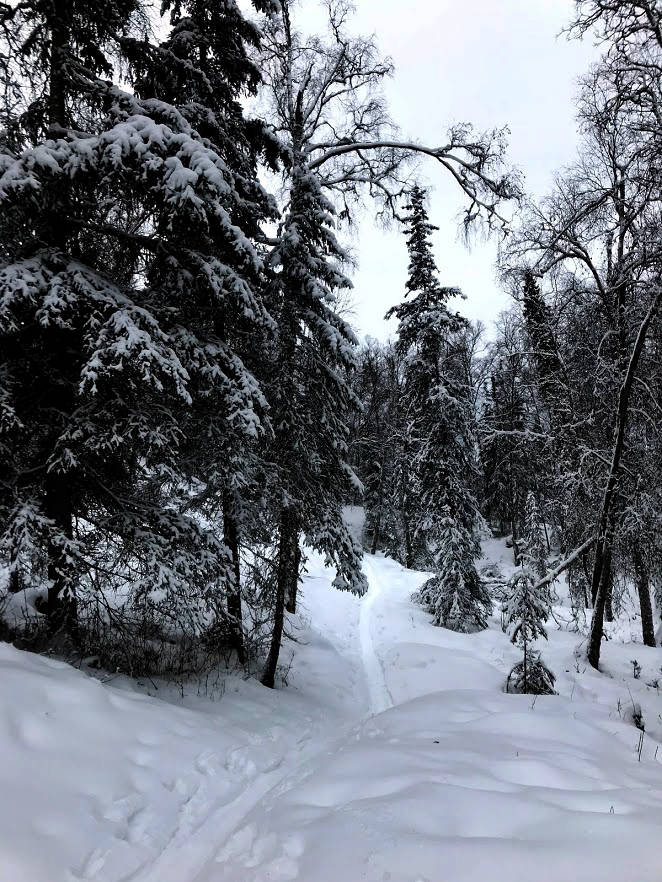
x: 463, y: 785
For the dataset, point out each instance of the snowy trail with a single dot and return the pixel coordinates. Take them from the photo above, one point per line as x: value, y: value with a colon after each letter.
x: 190, y: 853
x: 379, y: 695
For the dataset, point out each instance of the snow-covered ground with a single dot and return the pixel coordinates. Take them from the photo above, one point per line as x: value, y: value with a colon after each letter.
x: 392, y: 754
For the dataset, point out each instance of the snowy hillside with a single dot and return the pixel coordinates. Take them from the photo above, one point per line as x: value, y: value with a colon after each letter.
x: 392, y: 754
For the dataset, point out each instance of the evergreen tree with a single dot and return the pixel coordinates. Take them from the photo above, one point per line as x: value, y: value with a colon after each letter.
x: 455, y: 596
x: 535, y: 545
x: 446, y: 518
x: 204, y: 69
x: 311, y: 399
x: 526, y: 612
x: 127, y: 250
x: 372, y: 431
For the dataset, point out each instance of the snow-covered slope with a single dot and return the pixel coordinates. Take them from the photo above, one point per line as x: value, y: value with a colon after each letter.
x: 392, y: 754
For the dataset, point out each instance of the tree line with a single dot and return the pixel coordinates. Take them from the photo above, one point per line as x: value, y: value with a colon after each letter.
x: 561, y: 411
x: 183, y: 408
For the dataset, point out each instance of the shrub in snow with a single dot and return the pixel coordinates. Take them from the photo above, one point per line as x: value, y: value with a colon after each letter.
x: 531, y: 676
x: 525, y: 613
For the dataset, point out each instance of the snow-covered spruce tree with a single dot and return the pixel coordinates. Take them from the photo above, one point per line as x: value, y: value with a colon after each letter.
x: 534, y: 551
x: 204, y: 68
x: 526, y: 611
x: 311, y: 399
x: 386, y: 448
x: 53, y: 54
x: 125, y: 244
x: 455, y: 596
x: 444, y: 457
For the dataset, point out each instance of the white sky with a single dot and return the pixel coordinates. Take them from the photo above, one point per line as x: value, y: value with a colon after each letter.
x: 489, y: 62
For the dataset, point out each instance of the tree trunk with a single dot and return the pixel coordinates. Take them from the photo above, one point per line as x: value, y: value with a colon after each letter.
x: 15, y: 582
x: 643, y: 589
x: 57, y: 80
x: 286, y: 558
x: 374, y: 545
x: 409, y: 550
x: 376, y: 533
x: 231, y: 538
x: 293, y: 582
x: 61, y: 607
x: 607, y: 579
x: 612, y: 481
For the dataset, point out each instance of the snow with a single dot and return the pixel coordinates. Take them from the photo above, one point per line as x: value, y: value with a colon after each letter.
x: 391, y: 753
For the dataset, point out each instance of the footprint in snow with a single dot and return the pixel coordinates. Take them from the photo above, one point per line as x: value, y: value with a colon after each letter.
x: 274, y: 860
x: 237, y: 762
x: 92, y: 866
x: 122, y: 814
x: 207, y: 763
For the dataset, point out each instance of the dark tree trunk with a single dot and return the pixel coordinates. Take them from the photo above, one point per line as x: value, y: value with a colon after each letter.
x: 57, y: 81
x: 61, y: 607
x: 409, y: 549
x: 608, y: 583
x: 612, y: 483
x: 293, y: 582
x: 643, y: 589
x: 15, y: 583
x: 231, y: 538
x: 286, y: 559
x: 376, y: 533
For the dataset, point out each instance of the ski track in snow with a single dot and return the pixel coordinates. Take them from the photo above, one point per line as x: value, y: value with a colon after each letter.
x: 379, y: 695
x: 191, y: 851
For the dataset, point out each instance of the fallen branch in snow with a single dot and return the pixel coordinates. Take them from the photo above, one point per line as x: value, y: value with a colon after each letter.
x: 552, y: 575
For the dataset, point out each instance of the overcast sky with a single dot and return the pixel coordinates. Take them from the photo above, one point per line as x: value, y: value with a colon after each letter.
x: 489, y: 62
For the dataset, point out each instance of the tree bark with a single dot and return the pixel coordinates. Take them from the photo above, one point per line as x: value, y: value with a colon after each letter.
x: 286, y: 557
x: 61, y: 606
x: 643, y: 589
x: 607, y: 580
x: 231, y: 538
x: 57, y: 79
x: 376, y: 533
x: 293, y: 582
x: 409, y: 550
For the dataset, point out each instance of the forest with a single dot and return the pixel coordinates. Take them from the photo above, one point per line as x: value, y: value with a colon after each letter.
x: 191, y: 429
x: 184, y: 404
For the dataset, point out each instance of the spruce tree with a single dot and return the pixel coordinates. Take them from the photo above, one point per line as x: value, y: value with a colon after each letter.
x: 535, y: 545
x: 526, y: 611
x: 204, y: 69
x: 311, y: 399
x: 444, y: 466
x: 112, y: 317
